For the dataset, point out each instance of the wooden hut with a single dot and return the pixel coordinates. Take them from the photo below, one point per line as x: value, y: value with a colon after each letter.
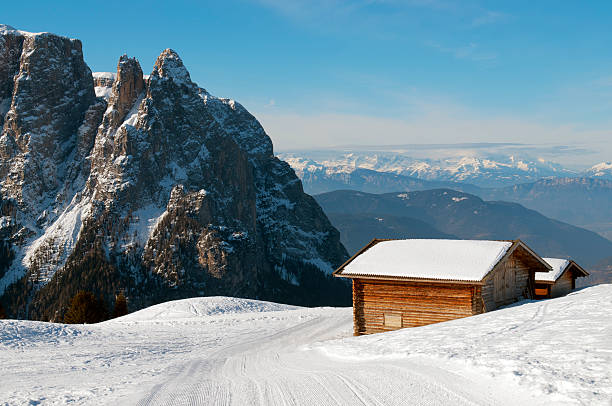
x: 409, y: 283
x: 560, y: 280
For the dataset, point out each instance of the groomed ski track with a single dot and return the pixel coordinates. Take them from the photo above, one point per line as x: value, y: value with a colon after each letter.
x: 275, y: 370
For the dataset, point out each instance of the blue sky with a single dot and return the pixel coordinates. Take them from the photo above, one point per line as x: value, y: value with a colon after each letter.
x: 322, y: 73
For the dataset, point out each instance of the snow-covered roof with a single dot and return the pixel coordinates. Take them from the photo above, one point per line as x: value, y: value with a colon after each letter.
x: 457, y: 260
x: 559, y: 265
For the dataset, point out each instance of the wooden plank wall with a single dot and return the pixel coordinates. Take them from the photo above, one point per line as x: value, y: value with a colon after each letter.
x: 511, y: 281
x: 563, y: 285
x: 418, y: 304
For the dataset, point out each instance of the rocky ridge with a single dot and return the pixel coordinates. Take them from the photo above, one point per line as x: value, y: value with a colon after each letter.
x: 149, y: 185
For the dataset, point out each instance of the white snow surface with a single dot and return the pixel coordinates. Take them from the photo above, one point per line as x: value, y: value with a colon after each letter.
x: 229, y: 351
x: 462, y: 260
x: 558, y: 266
x: 144, y: 222
x: 103, y: 91
x: 104, y: 75
x: 203, y: 307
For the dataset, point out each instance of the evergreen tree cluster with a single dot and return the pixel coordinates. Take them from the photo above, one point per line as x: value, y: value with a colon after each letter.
x: 86, y: 308
x: 121, y: 307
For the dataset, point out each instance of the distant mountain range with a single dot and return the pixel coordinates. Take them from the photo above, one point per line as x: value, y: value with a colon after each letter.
x: 601, y: 272
x: 445, y: 213
x: 582, y: 198
x: 585, y: 202
x: 482, y: 171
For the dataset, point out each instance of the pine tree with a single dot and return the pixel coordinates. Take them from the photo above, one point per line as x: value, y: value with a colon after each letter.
x: 2, y: 313
x: 121, y: 308
x: 85, y: 308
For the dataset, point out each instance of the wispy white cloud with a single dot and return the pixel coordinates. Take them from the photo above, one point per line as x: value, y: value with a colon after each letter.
x: 305, y: 9
x: 489, y: 17
x: 469, y: 51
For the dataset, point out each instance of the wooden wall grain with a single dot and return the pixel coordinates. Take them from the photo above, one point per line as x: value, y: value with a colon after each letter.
x: 511, y: 281
x: 563, y: 285
x: 418, y: 303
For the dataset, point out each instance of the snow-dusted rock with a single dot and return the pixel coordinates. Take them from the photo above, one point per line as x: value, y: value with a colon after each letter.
x: 173, y: 193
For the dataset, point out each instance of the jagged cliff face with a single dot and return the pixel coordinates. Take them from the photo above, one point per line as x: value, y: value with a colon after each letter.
x: 155, y: 187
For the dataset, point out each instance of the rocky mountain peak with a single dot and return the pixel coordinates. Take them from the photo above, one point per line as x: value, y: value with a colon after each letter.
x: 170, y: 66
x: 46, y: 89
x: 127, y: 86
x: 168, y: 192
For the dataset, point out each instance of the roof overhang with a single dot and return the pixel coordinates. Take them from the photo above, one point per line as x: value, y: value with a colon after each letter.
x: 414, y: 280
x: 580, y: 271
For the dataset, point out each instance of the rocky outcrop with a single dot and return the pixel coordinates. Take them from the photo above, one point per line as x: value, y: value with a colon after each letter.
x: 175, y: 193
x: 104, y: 79
x: 48, y: 106
x: 127, y: 86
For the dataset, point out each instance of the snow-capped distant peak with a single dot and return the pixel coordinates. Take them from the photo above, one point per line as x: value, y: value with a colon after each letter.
x: 603, y: 165
x: 601, y: 169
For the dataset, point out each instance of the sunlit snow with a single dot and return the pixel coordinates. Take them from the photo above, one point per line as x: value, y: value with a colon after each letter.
x: 221, y: 350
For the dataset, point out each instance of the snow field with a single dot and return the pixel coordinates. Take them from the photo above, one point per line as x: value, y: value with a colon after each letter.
x: 221, y: 350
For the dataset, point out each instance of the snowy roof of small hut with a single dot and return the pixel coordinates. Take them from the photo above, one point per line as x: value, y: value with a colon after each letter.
x: 457, y: 260
x: 559, y: 265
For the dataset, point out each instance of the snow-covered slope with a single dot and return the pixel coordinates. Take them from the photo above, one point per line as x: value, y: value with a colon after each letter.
x: 202, y: 307
x: 558, y: 349
x: 236, y: 351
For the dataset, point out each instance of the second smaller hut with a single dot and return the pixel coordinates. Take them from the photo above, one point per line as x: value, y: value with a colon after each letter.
x: 560, y: 280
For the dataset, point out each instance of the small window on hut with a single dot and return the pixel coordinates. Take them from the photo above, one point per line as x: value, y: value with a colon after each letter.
x: 393, y: 320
